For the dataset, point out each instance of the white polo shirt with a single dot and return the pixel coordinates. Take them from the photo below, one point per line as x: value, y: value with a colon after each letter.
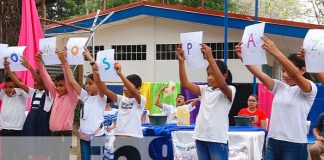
x: 12, y: 116
x: 212, y: 119
x: 290, y: 108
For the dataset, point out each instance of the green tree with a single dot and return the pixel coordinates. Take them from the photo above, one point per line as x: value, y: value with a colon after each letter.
x: 64, y: 9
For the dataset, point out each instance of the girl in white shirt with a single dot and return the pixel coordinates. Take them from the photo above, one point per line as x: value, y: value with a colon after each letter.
x: 293, y: 98
x: 216, y: 98
x: 91, y: 114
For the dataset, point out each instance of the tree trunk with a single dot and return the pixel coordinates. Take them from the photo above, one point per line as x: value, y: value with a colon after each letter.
x: 104, y: 4
x: 43, y: 13
x: 10, y: 15
x: 86, y: 6
x: 202, y: 3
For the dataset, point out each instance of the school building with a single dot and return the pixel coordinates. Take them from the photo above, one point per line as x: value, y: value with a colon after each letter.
x: 145, y: 35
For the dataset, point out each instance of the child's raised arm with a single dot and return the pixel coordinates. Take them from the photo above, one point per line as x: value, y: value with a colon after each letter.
x: 183, y: 75
x: 13, y: 76
x: 68, y: 72
x: 101, y: 85
x: 47, y: 80
x: 221, y: 83
x: 264, y: 78
x: 87, y: 55
x: 36, y: 76
x: 157, y: 98
x: 127, y: 83
x: 320, y: 76
x: 289, y: 67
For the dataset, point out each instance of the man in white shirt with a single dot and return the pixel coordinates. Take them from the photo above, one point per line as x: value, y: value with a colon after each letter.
x: 171, y: 110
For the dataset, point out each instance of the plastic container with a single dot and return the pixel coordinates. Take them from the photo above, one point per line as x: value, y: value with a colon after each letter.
x: 158, y: 120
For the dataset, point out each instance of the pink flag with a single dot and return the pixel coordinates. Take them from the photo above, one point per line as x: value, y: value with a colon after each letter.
x: 30, y: 33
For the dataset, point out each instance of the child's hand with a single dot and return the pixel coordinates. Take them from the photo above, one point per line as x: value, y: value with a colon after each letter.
x: 270, y: 46
x: 24, y: 62
x: 320, y: 138
x: 180, y: 53
x: 165, y: 86
x: 87, y: 54
x: 117, y: 67
x: 301, y: 53
x: 95, y: 68
x: 39, y: 59
x: 238, y: 49
x: 6, y: 63
x: 61, y: 54
x: 206, y: 50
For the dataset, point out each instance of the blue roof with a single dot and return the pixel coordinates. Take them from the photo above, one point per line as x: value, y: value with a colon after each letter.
x: 167, y: 11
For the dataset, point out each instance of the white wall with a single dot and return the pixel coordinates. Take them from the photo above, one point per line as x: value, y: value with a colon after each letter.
x: 153, y: 30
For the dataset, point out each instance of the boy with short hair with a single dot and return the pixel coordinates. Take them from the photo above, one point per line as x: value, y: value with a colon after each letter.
x: 130, y: 108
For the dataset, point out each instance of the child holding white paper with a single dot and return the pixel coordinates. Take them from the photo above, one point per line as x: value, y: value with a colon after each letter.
x: 295, y: 96
x: 171, y: 110
x: 91, y: 114
x: 216, y: 98
x: 37, y: 120
x: 12, y: 115
x: 130, y: 109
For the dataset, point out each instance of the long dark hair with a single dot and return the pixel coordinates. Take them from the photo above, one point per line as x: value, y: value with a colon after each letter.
x: 224, y: 70
x: 299, y: 63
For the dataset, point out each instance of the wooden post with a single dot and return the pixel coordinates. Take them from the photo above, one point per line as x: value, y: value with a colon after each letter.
x: 43, y: 13
x: 104, y: 5
x: 202, y: 3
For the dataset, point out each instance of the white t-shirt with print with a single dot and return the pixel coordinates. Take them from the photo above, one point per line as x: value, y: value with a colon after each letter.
x: 171, y: 111
x: 109, y: 118
x: 12, y: 116
x: 290, y: 108
x: 129, y: 116
x: 212, y: 119
x: 93, y: 111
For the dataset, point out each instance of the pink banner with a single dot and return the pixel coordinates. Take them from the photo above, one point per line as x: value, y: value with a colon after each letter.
x: 265, y: 99
x: 30, y: 33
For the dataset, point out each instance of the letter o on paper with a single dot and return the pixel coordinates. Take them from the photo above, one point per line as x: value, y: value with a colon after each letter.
x: 14, y: 57
x: 75, y: 50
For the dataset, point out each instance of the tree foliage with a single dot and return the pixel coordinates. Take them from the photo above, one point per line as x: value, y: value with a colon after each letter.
x: 318, y: 10
x: 65, y: 9
x: 294, y: 10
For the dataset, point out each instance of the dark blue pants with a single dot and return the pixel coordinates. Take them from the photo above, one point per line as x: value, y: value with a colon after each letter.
x: 283, y: 150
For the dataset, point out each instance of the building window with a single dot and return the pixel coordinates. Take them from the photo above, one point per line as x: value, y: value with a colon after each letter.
x: 129, y: 52
x: 97, y: 49
x: 218, y: 50
x: 168, y: 51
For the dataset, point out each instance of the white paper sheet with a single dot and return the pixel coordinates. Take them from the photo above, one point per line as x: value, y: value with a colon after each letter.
x: 191, y: 44
x: 252, y: 51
